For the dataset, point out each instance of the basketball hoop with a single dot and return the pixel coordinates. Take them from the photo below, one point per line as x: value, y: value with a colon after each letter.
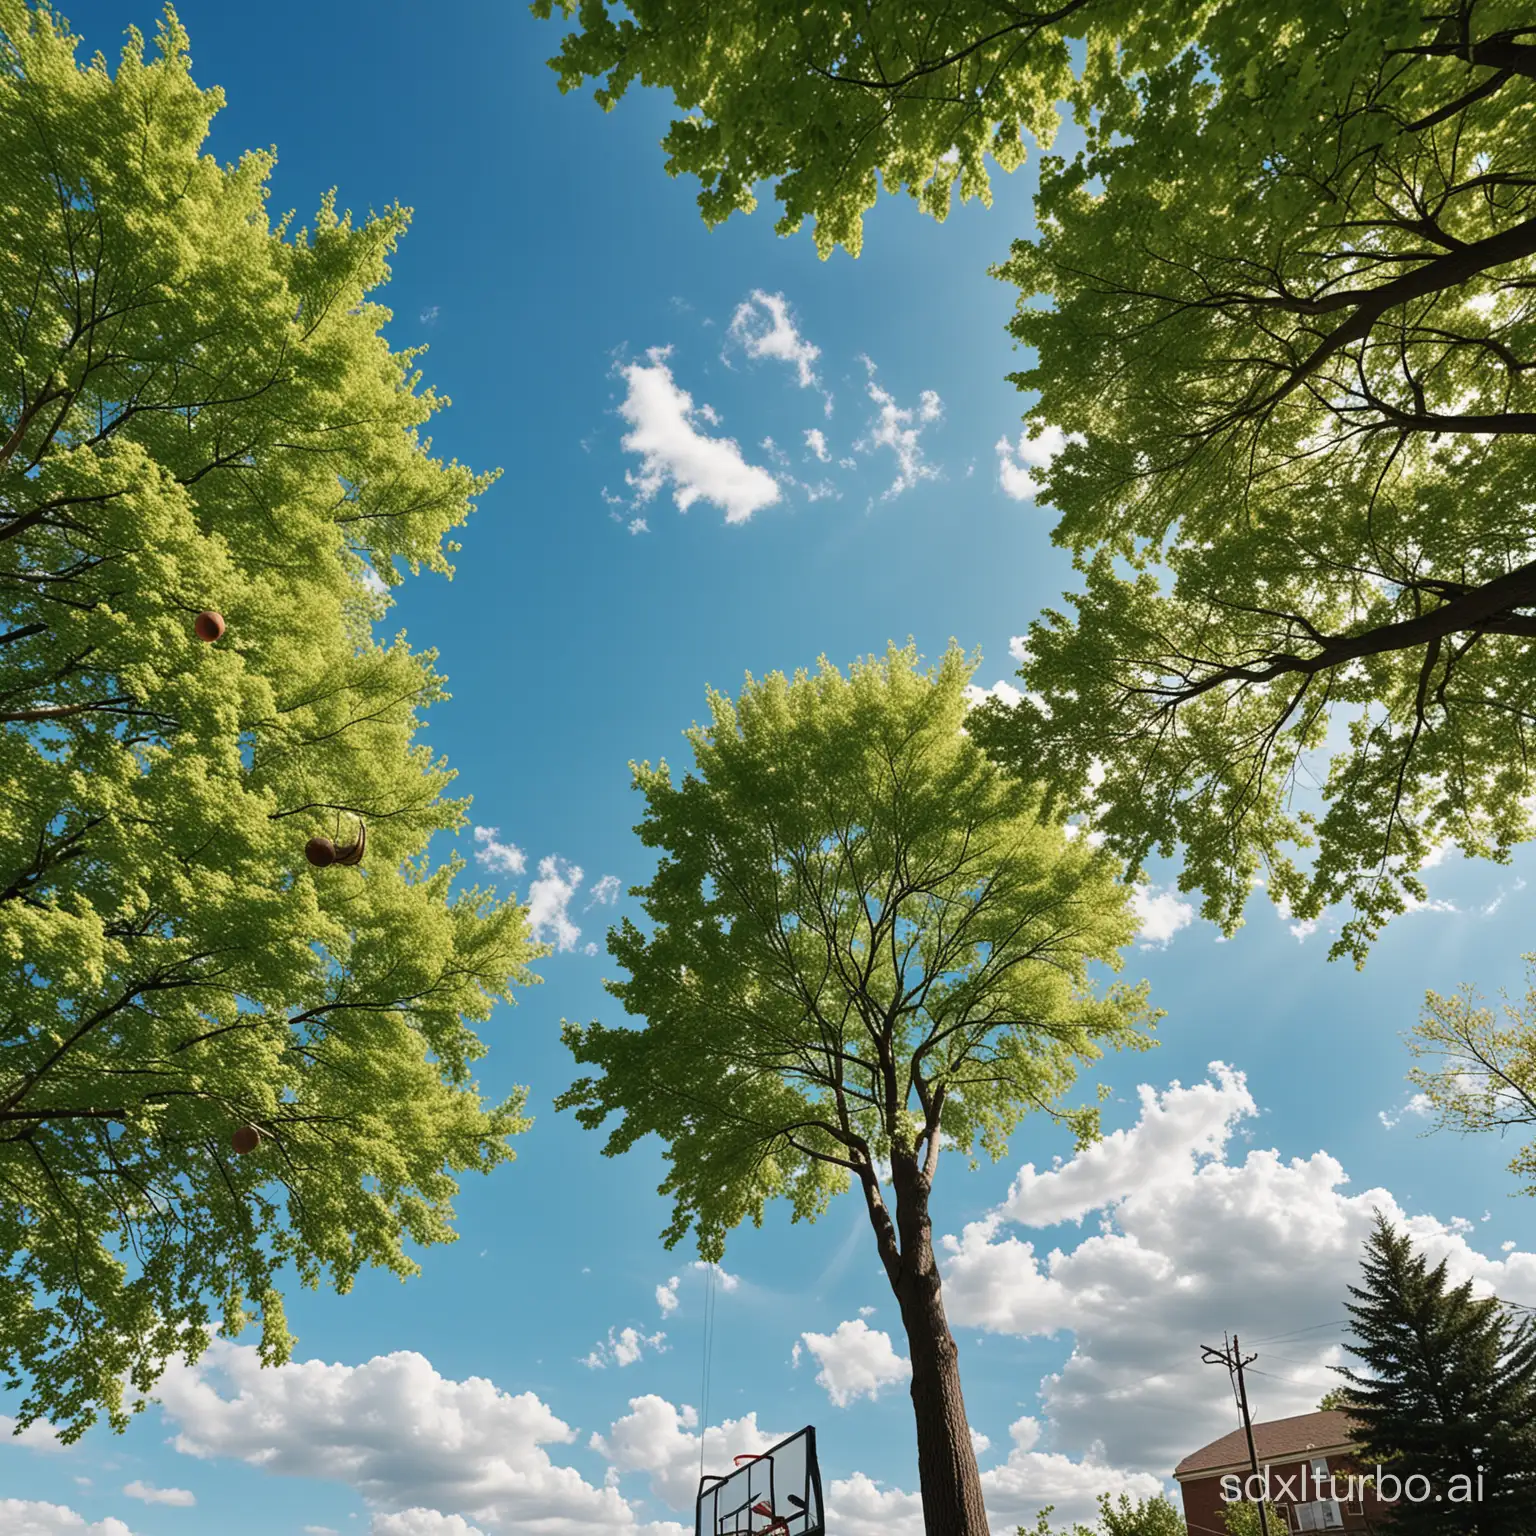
x: 776, y: 1492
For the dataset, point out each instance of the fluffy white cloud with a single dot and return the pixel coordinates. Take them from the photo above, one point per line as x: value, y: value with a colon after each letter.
x: 403, y: 1437
x: 549, y: 901
x: 816, y: 441
x: 30, y: 1517
x: 504, y: 858
x: 422, y: 1522
x: 859, y: 1506
x: 1016, y: 461
x: 1004, y: 691
x: 1029, y: 1480
x: 626, y: 1345
x: 856, y: 1361
x: 638, y: 525
x: 1418, y: 1105
x: 980, y: 1443
x: 672, y: 449
x: 1186, y: 1236
x: 666, y: 1296
x: 39, y: 1435
x: 321, y: 1530
x: 723, y: 1279
x: 182, y: 1498
x: 763, y: 327
x: 1160, y: 913
x: 658, y: 1439
x: 605, y: 892
x: 900, y: 429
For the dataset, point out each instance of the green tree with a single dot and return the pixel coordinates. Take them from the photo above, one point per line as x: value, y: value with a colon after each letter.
x: 1448, y: 1392
x: 864, y: 945
x: 198, y: 413
x: 1124, y: 1516
x: 1288, y: 333
x: 830, y: 102
x: 1290, y: 318
x: 1241, y: 1518
x: 1483, y: 1076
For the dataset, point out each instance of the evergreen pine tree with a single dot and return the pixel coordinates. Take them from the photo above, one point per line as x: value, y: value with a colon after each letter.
x: 1447, y: 1392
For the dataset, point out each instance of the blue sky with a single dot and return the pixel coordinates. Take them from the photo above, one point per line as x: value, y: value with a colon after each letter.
x: 550, y: 266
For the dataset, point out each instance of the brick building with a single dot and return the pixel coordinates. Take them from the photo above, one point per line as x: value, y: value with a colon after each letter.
x: 1298, y: 1453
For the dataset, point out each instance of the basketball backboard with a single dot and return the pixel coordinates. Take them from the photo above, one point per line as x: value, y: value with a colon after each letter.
x: 775, y: 1493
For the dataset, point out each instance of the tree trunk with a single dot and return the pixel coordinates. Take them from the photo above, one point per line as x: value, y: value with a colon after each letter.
x: 946, y: 1461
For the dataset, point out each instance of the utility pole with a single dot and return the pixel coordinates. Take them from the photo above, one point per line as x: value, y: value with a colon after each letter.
x: 1232, y: 1357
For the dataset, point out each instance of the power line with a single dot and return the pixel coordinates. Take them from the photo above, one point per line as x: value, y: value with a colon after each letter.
x: 1276, y: 1338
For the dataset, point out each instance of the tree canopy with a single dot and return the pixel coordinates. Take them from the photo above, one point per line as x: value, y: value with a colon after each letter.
x: 1125, y: 1516
x: 862, y: 940
x: 217, y: 1062
x: 830, y: 102
x: 1477, y: 1069
x: 1280, y: 307
x: 864, y: 945
x: 1290, y: 329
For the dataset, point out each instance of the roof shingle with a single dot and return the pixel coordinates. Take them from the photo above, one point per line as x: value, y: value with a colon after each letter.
x: 1279, y: 1440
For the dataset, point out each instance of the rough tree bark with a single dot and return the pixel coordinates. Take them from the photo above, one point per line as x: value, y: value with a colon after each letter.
x: 948, y: 1476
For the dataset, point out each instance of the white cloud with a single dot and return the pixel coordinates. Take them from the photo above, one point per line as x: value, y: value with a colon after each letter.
x: 658, y: 1439
x: 856, y: 1361
x: 180, y: 1497
x: 504, y: 858
x: 867, y: 1311
x: 39, y: 1435
x: 723, y: 1280
x: 672, y: 449
x: 31, y: 1517
x: 1015, y: 462
x: 774, y: 334
x: 859, y: 1506
x: 821, y: 491
x: 409, y: 1442
x: 666, y: 1297
x: 605, y: 892
x: 1160, y: 913
x: 638, y: 525
x: 429, y: 315
x: 626, y: 1346
x: 1185, y: 1236
x: 980, y: 1443
x: 1006, y: 692
x: 1489, y: 908
x: 422, y: 1522
x: 816, y: 441
x: 1418, y: 1105
x: 321, y: 1530
x: 549, y: 900
x: 900, y: 429
x: 1029, y: 1480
